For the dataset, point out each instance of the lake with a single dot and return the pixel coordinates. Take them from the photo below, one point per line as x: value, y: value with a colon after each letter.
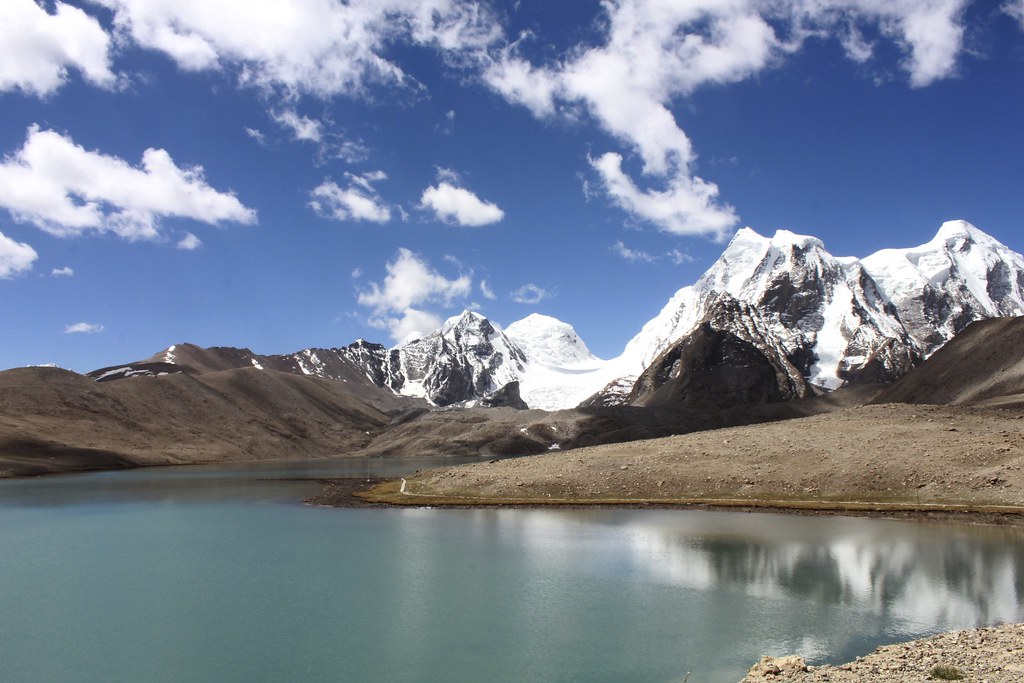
x: 215, y: 574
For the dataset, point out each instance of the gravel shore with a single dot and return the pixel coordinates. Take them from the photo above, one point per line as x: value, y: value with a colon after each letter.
x: 984, y: 655
x: 893, y: 456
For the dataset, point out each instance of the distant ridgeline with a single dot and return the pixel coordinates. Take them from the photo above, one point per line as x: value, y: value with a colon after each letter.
x: 772, y: 319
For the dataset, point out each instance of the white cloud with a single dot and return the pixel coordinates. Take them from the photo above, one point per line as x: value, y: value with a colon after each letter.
x: 856, y: 46
x: 318, y: 47
x: 349, y: 151
x: 522, y: 83
x: 189, y: 242
x: 330, y: 144
x: 15, y: 257
x: 411, y: 283
x: 687, y: 206
x: 358, y: 201
x: 411, y: 324
x: 1015, y: 8
x: 67, y: 190
x: 447, y: 175
x: 66, y: 271
x: 530, y: 294
x: 256, y: 135
x: 679, y: 257
x: 632, y: 255
x: 653, y: 53
x: 931, y: 31
x: 485, y: 289
x: 38, y: 48
x: 458, y: 205
x: 301, y: 127
x: 83, y: 328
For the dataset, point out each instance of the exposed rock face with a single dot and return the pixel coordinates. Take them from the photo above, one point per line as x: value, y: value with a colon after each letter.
x: 505, y: 397
x: 731, y: 359
x: 714, y: 368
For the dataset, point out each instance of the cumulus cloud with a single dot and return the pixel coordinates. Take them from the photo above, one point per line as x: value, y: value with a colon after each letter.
x: 358, y: 201
x: 318, y: 47
x: 398, y: 303
x: 38, y: 48
x: 632, y: 255
x: 83, y: 328
x: 653, y: 53
x: 458, y: 205
x: 66, y: 271
x: 530, y: 294
x: 66, y: 190
x: 189, y: 242
x: 15, y: 257
x: 687, y: 205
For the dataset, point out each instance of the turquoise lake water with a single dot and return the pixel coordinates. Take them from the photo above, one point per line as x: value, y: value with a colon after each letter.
x: 213, y: 574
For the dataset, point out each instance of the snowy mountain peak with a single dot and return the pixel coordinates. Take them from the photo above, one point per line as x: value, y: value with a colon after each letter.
x: 548, y: 341
x: 961, y: 229
x: 828, y: 316
x: 466, y: 358
x: 466, y: 320
x: 785, y: 238
x: 748, y: 239
x: 961, y: 275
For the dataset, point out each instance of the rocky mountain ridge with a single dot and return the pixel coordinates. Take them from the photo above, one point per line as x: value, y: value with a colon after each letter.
x: 820, y: 320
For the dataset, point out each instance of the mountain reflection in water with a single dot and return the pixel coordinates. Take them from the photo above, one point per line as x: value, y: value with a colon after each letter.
x: 219, y: 573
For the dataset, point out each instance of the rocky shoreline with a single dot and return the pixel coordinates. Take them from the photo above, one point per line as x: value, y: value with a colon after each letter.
x: 982, y: 655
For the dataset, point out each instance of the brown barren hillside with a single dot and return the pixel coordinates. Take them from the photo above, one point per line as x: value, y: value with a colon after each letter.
x: 984, y: 364
x: 54, y: 420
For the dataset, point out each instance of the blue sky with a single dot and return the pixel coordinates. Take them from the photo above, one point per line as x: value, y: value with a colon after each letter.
x: 303, y: 173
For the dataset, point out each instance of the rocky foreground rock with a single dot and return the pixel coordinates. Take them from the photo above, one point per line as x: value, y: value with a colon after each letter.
x: 984, y: 655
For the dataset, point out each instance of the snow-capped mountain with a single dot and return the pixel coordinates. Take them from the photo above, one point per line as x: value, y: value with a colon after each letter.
x: 837, y: 319
x: 560, y: 371
x: 467, y: 358
x: 960, y: 276
x: 471, y: 358
x: 815, y: 317
x: 827, y: 314
x: 548, y: 341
